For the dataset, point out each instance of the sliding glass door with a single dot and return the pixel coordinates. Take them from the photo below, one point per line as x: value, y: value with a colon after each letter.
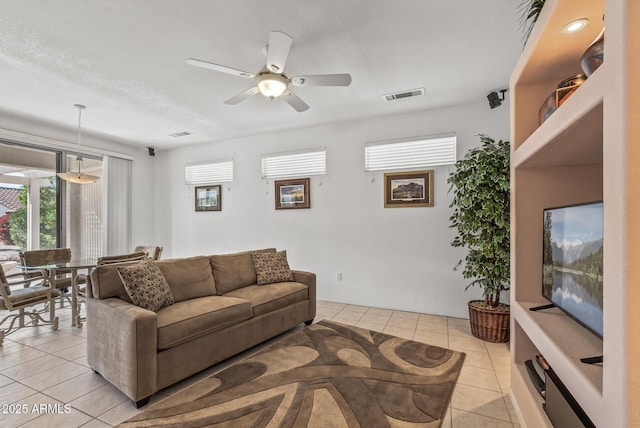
x: 28, y: 200
x: 40, y: 211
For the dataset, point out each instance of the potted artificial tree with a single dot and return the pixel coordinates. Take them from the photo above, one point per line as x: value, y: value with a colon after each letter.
x: 529, y: 12
x: 480, y: 185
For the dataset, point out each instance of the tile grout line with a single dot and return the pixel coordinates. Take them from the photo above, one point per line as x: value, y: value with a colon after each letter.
x: 42, y: 391
x: 484, y: 416
x: 36, y: 392
x: 331, y: 309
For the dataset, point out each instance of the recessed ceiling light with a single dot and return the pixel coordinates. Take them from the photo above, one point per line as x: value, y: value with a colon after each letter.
x: 575, y: 25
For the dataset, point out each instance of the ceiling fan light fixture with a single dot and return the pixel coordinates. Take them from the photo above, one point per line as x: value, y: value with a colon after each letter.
x: 272, y: 85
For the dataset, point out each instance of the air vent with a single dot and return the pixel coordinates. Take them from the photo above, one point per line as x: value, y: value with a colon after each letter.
x: 404, y: 94
x: 180, y: 134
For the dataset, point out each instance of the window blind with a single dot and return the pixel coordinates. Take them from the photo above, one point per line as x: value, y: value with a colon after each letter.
x: 294, y: 164
x: 209, y: 172
x: 434, y: 150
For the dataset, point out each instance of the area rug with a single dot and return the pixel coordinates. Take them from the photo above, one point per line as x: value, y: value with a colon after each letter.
x: 325, y: 375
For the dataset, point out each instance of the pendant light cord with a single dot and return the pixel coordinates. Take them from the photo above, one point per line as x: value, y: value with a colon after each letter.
x: 80, y: 107
x: 79, y: 128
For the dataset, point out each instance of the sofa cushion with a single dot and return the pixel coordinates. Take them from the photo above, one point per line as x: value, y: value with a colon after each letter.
x: 33, y: 293
x: 145, y: 285
x: 233, y: 271
x: 268, y: 298
x: 271, y: 267
x: 106, y: 282
x: 189, y: 278
x: 184, y: 321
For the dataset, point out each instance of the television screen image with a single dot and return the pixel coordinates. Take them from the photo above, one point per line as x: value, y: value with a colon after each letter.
x: 572, y: 262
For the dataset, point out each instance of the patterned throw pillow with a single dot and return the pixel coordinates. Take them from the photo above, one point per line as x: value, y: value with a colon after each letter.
x: 272, y: 267
x: 146, y: 286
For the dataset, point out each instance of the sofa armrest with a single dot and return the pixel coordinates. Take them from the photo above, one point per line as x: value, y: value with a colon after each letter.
x: 309, y: 279
x: 122, y: 345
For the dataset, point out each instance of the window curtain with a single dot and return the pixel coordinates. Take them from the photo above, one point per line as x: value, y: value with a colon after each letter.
x: 116, y: 184
x: 84, y: 223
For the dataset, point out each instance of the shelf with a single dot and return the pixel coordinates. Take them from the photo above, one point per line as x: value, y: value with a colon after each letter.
x: 531, y: 407
x: 585, y: 151
x: 563, y: 342
x: 572, y: 135
x: 551, y: 55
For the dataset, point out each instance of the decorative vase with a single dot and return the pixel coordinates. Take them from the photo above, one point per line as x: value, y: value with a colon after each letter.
x: 489, y: 324
x: 559, y: 96
x: 547, y: 108
x: 593, y: 57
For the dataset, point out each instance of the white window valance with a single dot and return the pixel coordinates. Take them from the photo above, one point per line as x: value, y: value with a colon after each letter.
x: 210, y: 172
x: 419, y: 152
x: 294, y: 164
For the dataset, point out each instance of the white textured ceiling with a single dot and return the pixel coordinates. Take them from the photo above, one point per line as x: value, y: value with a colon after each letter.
x: 124, y: 59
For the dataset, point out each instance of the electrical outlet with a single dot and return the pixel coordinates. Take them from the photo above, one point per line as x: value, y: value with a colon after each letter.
x: 339, y: 276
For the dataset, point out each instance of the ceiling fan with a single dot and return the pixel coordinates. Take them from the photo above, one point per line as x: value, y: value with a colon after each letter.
x: 271, y: 80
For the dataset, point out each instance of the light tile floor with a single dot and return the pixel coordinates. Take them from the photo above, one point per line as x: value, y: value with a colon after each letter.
x: 39, y: 366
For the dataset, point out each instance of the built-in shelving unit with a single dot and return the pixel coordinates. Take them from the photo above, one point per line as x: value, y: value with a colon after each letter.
x: 581, y: 153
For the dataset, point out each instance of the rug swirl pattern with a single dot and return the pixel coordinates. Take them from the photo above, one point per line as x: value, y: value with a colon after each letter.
x: 325, y: 375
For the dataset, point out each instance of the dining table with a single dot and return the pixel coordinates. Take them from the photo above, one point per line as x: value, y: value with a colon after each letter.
x: 74, y: 266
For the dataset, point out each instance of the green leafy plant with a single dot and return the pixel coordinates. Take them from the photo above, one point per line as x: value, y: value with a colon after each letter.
x: 18, y: 219
x: 529, y: 11
x: 480, y: 186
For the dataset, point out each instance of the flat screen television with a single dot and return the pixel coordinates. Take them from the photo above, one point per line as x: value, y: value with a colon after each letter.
x: 572, y: 262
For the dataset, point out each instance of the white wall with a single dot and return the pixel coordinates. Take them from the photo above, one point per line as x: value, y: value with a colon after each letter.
x: 397, y: 258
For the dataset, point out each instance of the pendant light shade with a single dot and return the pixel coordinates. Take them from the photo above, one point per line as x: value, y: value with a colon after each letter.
x: 75, y: 175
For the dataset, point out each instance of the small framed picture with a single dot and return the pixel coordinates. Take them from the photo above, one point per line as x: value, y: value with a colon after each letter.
x: 209, y: 198
x: 408, y: 189
x: 292, y: 194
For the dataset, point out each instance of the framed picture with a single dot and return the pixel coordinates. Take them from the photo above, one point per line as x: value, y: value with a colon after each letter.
x: 408, y: 189
x: 292, y: 194
x: 209, y: 198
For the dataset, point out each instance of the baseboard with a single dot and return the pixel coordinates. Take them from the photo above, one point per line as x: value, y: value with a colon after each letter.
x: 514, y: 403
x: 464, y: 315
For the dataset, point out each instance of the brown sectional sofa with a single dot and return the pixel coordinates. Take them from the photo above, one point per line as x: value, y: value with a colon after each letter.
x: 219, y: 311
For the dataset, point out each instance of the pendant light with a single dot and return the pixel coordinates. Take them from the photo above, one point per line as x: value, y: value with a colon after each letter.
x: 76, y: 175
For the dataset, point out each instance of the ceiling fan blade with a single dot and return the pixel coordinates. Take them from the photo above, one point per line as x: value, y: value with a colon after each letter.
x: 220, y: 68
x: 322, y: 80
x: 242, y: 96
x: 294, y: 101
x: 279, y: 46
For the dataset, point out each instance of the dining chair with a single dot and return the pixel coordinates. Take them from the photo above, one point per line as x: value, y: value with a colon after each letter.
x: 62, y: 278
x: 19, y: 293
x: 153, y: 252
x: 122, y: 258
x: 84, y: 280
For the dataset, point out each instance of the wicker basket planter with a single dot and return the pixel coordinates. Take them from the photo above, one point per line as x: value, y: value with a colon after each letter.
x: 490, y: 324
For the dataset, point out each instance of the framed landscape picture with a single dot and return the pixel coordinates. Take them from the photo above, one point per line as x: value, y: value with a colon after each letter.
x: 209, y: 198
x: 292, y: 194
x: 408, y: 189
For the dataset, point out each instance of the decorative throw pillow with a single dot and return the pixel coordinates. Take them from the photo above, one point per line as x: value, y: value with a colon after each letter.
x: 146, y: 286
x: 272, y: 267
